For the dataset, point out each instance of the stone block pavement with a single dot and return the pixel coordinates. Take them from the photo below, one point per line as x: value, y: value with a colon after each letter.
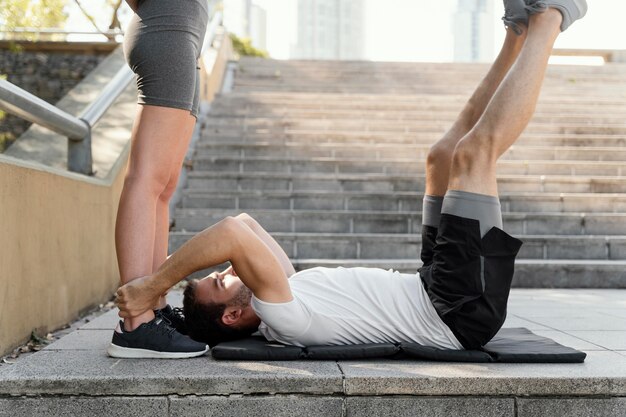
x: 74, y: 377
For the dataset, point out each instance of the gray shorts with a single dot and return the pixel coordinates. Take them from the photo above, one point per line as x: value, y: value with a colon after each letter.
x: 162, y: 45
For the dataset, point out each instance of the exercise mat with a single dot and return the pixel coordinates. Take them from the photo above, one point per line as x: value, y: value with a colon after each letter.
x: 510, y: 345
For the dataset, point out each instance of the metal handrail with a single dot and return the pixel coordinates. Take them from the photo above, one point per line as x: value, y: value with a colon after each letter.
x: 30, y: 107
x: 54, y: 31
x: 25, y: 105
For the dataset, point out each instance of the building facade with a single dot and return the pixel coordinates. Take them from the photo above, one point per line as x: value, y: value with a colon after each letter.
x: 473, y: 31
x: 246, y: 19
x: 330, y: 29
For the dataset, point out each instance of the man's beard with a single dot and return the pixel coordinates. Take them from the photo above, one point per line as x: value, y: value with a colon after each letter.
x: 242, y: 297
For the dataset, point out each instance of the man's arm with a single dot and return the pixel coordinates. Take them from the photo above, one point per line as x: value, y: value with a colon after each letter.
x: 228, y: 240
x: 270, y: 242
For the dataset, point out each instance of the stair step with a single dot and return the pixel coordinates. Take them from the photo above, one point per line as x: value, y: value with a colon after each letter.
x: 391, y: 201
x: 238, y: 116
x: 415, y: 107
x: 329, y: 126
x: 408, y: 246
x: 217, y: 181
x: 362, y: 161
x: 529, y: 273
x: 276, y: 103
x: 318, y: 221
x: 304, y: 139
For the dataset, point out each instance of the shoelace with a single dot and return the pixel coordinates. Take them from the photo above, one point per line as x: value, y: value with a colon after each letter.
x: 163, y: 317
x: 178, y: 313
x: 164, y: 327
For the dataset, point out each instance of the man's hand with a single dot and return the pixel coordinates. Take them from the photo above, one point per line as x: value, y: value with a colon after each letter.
x: 137, y: 297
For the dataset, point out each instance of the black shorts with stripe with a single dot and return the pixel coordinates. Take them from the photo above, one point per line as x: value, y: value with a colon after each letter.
x: 468, y: 278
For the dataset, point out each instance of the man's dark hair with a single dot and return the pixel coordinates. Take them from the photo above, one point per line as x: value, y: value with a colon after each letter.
x: 204, y: 320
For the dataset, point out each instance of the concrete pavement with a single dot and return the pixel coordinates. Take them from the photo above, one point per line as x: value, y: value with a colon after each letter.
x: 73, y: 376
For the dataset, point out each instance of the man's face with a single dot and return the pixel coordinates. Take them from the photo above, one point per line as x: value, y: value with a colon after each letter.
x: 219, y: 287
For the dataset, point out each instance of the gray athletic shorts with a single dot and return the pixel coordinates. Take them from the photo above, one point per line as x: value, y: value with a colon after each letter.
x: 162, y: 45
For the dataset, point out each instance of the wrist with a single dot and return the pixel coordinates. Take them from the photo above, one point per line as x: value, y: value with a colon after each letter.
x: 158, y: 285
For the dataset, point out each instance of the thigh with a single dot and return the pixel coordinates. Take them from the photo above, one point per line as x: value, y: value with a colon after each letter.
x: 429, y: 235
x: 165, y: 64
x: 470, y: 277
x: 160, y: 140
x: 162, y: 44
x: 453, y: 276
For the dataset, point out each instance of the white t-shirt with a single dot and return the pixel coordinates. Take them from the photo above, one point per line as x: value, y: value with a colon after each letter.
x: 347, y: 306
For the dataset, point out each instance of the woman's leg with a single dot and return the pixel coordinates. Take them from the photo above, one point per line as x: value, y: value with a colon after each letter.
x: 159, y: 141
x: 162, y: 229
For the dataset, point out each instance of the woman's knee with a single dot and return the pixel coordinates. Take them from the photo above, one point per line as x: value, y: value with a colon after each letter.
x: 153, y: 181
x: 170, y: 187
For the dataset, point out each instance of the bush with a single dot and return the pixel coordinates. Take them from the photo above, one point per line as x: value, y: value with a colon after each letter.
x: 243, y: 46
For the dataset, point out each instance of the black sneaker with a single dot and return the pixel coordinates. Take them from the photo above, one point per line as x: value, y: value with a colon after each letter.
x: 155, y: 339
x: 174, y: 316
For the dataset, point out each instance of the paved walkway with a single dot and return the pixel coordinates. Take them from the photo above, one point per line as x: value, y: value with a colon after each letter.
x: 590, y: 320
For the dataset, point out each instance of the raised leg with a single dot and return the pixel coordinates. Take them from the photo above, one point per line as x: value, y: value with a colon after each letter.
x: 440, y: 156
x: 508, y: 113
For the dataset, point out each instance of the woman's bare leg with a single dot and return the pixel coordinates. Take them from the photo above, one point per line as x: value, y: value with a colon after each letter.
x: 159, y: 141
x: 162, y: 230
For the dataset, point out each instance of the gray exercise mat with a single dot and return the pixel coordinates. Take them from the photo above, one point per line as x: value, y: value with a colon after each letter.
x: 510, y: 345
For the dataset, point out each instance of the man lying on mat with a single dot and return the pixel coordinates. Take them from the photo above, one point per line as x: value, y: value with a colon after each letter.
x: 457, y: 299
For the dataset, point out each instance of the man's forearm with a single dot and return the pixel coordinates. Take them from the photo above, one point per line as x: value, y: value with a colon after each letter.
x: 229, y: 240
x: 211, y: 247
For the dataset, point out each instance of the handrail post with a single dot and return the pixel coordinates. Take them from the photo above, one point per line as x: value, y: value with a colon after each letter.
x: 79, y: 154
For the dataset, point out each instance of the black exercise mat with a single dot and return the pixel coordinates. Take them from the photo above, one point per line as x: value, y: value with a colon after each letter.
x: 511, y: 345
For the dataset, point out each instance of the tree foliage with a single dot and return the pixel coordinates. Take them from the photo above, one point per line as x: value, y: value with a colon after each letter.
x: 52, y: 14
x: 34, y: 13
x: 243, y: 46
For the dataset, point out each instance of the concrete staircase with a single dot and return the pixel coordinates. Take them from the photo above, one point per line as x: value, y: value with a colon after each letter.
x: 329, y: 157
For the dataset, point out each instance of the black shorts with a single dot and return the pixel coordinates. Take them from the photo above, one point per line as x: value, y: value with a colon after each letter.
x: 468, y: 278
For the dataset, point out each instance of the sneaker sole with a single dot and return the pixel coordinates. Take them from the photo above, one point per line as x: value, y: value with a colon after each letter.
x: 115, y: 351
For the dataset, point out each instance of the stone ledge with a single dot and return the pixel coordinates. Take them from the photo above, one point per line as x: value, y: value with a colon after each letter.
x: 93, y: 373
x: 305, y: 406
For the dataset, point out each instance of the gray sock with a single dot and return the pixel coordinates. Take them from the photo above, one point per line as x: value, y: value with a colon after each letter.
x: 431, y: 210
x: 484, y: 208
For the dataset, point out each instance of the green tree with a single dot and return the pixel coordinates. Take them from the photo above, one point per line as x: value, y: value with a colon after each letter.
x: 243, y: 46
x: 37, y: 13
x: 51, y: 14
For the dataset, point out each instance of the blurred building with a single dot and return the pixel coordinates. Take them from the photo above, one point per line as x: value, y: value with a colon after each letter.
x: 257, y: 26
x: 473, y: 31
x: 330, y: 29
x: 246, y: 20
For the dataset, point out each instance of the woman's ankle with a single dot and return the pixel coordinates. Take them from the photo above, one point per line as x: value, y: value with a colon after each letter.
x: 131, y: 324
